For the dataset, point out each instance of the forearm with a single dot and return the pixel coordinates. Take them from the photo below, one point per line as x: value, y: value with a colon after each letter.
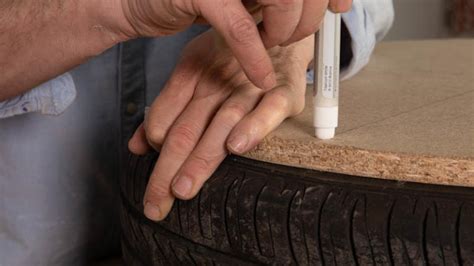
x: 43, y: 38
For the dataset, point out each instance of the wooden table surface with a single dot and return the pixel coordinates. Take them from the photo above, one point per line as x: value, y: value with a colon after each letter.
x: 408, y: 116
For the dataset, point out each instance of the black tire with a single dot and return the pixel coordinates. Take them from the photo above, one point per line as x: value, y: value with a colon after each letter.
x: 251, y: 212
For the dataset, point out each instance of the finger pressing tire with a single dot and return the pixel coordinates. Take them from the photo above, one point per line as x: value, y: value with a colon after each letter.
x: 181, y: 139
x: 211, y: 149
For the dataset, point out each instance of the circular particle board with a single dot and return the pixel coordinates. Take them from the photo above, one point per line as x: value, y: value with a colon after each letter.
x: 408, y: 116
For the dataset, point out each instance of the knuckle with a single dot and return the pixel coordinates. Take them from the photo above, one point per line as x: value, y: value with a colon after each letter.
x: 155, y: 135
x: 178, y: 80
x: 281, y: 100
x: 258, y: 124
x: 181, y: 138
x: 242, y: 29
x: 203, y: 163
x: 173, y: 88
x: 233, y: 112
x: 158, y: 190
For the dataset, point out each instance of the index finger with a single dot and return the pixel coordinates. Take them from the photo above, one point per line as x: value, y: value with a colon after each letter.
x: 239, y: 30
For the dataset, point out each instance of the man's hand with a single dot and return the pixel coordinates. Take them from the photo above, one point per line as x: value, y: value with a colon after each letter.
x: 284, y: 22
x: 208, y: 108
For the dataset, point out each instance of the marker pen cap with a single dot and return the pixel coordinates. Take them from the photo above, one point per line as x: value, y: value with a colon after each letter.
x: 325, y: 121
x: 325, y: 133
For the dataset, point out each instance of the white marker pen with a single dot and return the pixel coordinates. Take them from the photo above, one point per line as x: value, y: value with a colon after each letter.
x: 326, y: 75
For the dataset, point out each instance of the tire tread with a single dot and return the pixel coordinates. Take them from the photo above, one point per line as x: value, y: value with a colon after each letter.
x: 253, y: 213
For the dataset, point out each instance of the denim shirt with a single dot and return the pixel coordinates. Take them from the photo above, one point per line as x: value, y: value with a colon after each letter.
x: 58, y: 173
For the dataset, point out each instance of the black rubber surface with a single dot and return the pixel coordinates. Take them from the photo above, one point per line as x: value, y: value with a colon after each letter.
x: 252, y: 213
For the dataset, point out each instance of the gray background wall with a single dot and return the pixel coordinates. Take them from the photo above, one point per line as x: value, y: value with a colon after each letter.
x: 421, y: 19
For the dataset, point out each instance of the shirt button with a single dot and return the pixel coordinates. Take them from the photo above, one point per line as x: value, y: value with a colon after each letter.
x: 132, y: 108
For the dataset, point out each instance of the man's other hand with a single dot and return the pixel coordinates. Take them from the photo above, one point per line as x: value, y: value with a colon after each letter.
x: 283, y: 22
x: 209, y: 108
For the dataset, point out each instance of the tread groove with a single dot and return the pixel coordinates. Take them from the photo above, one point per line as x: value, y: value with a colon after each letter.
x: 179, y: 207
x: 406, y: 255
x: 239, y: 230
x: 158, y: 246
x: 367, y: 231
x: 303, y: 230
x: 320, y: 214
x: 456, y: 234
x: 331, y: 237
x: 173, y: 251
x: 226, y: 206
x: 201, y: 230
x: 351, y: 233
x: 257, y: 199
x: 435, y: 207
x: 191, y: 257
x: 424, y: 252
x: 414, y: 206
x: 271, y: 236
x: 290, y: 242
x: 388, y: 232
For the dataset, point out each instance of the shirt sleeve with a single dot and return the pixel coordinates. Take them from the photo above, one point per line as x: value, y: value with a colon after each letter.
x: 363, y: 26
x: 367, y: 23
x: 49, y: 98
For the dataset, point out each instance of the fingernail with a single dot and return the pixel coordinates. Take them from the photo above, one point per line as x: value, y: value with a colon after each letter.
x: 182, y: 186
x: 239, y: 143
x: 152, y: 211
x: 269, y: 82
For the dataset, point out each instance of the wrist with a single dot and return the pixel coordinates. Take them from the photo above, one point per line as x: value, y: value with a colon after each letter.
x: 108, y: 16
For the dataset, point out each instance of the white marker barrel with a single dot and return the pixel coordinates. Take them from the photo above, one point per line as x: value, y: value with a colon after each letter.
x: 326, y: 73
